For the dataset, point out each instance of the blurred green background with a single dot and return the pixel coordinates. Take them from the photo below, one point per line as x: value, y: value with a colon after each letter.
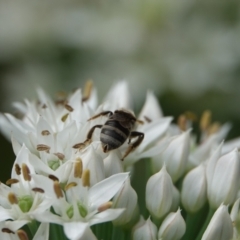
x: 188, y: 52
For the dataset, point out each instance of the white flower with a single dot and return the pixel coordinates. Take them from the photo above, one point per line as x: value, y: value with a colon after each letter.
x: 159, y: 193
x: 83, y: 206
x: 194, y: 189
x: 147, y: 231
x: 173, y: 227
x: 175, y: 156
x: 220, y: 226
x: 223, y: 178
x: 126, y: 198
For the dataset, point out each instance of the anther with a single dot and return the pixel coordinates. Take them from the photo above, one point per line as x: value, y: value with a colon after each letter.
x: 64, y: 117
x: 70, y: 185
x: 182, y: 122
x: 17, y: 169
x: 43, y: 147
x: 22, y: 235
x: 12, y: 198
x: 57, y: 189
x: 87, y: 90
x: 26, y: 172
x: 68, y: 107
x: 213, y: 128
x: 12, y: 181
x: 7, y: 230
x: 44, y: 106
x: 147, y: 119
x: 78, y: 146
x: 205, y: 120
x: 60, y: 156
x: 78, y: 168
x: 54, y: 178
x: 86, y: 178
x: 36, y: 189
x: 45, y: 133
x: 105, y: 206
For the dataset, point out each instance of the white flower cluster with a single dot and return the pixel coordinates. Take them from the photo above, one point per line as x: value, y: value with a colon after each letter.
x: 60, y: 178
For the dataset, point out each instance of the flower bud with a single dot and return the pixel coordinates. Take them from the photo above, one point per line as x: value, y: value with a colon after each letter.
x: 126, y: 198
x: 224, y: 182
x: 159, y: 193
x: 148, y: 231
x: 175, y: 156
x: 220, y: 226
x: 173, y: 227
x: 194, y: 189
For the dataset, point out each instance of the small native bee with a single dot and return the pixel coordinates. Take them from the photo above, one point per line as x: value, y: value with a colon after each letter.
x: 116, y: 130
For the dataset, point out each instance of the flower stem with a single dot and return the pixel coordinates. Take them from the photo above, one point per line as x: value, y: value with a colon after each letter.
x: 56, y: 232
x: 33, y: 227
x: 120, y: 234
x: 194, y: 221
x: 210, y: 214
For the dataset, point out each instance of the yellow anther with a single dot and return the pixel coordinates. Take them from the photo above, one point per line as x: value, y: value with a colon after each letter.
x: 78, y: 168
x: 205, y: 120
x: 43, y: 147
x: 17, y: 169
x: 12, y: 198
x: 86, y: 178
x: 87, y: 90
x: 22, y: 235
x: 12, y: 181
x: 105, y: 206
x: 68, y: 107
x: 70, y: 185
x: 26, y: 172
x: 64, y: 117
x: 45, y: 133
x: 57, y: 189
x: 182, y: 122
x: 213, y: 128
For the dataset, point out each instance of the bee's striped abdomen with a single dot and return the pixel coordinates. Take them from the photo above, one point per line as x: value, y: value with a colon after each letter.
x: 113, y: 134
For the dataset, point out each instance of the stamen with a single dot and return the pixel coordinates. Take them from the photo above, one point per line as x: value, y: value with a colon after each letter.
x: 148, y: 119
x: 36, y: 189
x: 104, y: 206
x: 45, y: 133
x: 17, y: 169
x: 78, y: 146
x: 64, y: 117
x: 86, y: 178
x: 26, y: 172
x: 22, y: 235
x: 78, y: 168
x: 12, y: 198
x: 182, y: 122
x: 12, y: 181
x: 68, y: 107
x: 54, y: 178
x: 43, y: 147
x: 213, y: 128
x: 190, y: 116
x: 7, y: 230
x: 205, y: 120
x: 57, y: 189
x: 70, y: 185
x: 44, y: 106
x: 61, y: 156
x: 87, y: 90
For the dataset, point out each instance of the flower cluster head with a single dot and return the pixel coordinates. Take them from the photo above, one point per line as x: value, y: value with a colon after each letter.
x: 77, y: 167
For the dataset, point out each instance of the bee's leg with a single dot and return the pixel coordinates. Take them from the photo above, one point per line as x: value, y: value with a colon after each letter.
x: 88, y: 140
x: 132, y: 146
x: 101, y: 114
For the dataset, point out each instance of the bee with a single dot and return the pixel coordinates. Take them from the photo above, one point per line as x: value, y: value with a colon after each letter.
x: 116, y: 130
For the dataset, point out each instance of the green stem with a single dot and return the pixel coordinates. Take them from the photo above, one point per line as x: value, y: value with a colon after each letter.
x: 210, y: 214
x: 118, y: 234
x: 194, y: 222
x: 56, y: 232
x: 33, y: 227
